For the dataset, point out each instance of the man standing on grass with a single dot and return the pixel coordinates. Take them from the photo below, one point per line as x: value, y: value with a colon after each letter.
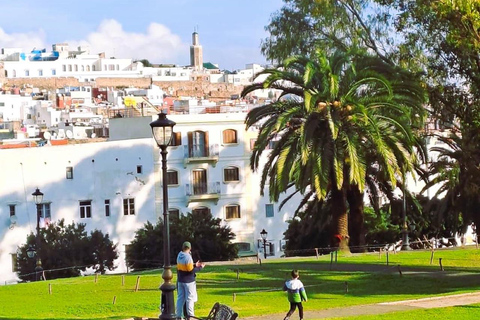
x: 186, y: 286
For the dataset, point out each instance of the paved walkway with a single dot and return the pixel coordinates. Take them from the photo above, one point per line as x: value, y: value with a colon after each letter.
x: 380, y: 308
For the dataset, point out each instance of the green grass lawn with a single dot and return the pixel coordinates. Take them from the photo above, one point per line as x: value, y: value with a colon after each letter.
x: 258, y: 290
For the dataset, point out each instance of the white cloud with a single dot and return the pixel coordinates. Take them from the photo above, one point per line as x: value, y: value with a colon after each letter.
x: 26, y: 41
x: 158, y: 44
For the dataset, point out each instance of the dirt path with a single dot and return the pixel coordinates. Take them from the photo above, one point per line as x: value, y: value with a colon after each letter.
x: 384, y: 307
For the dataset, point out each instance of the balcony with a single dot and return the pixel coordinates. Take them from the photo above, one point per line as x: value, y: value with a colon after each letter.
x: 196, y: 153
x: 203, y: 192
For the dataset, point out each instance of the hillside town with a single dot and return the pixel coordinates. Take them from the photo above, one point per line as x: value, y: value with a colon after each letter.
x: 75, y: 125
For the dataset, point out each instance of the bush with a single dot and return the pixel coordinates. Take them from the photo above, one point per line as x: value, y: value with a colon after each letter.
x: 65, y: 250
x: 210, y: 241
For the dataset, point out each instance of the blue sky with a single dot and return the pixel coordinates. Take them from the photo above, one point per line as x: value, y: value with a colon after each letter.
x: 159, y: 30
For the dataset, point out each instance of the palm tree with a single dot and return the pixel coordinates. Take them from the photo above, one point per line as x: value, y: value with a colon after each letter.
x: 456, y: 174
x: 331, y: 114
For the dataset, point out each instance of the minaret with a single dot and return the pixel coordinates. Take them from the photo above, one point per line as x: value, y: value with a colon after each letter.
x: 196, y: 54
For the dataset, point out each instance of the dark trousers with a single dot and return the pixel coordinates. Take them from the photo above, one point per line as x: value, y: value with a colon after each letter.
x: 293, y: 306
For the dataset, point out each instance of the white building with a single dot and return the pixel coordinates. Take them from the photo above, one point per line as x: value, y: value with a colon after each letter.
x: 120, y: 182
x: 61, y: 62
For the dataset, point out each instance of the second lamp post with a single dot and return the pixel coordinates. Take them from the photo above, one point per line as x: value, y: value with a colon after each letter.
x: 162, y: 130
x: 38, y: 198
x: 264, y: 234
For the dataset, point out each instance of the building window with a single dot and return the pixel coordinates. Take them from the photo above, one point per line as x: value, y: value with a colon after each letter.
x: 43, y: 209
x: 252, y: 144
x: 93, y: 68
x: 12, y: 209
x: 243, y: 246
x: 201, y: 210
x: 198, y: 144
x: 176, y: 139
x: 229, y: 136
x: 232, y: 212
x: 107, y: 207
x: 69, y: 173
x: 230, y: 174
x: 172, y: 177
x: 139, y: 169
x: 40, y: 73
x: 54, y: 72
x: 86, y: 209
x: 27, y: 73
x: 269, y: 210
x: 70, y: 67
x: 14, y: 73
x: 88, y: 68
x: 174, y: 213
x: 64, y: 68
x: 83, y: 68
x: 128, y: 206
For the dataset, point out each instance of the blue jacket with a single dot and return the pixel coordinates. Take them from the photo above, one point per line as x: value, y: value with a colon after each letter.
x: 185, y: 268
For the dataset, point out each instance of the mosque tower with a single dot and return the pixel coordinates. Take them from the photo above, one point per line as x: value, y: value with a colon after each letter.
x: 196, y: 53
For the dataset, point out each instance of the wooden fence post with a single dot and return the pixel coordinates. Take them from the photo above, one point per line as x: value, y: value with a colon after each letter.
x: 387, y: 256
x: 123, y: 280
x: 137, y: 285
x: 399, y: 270
x: 346, y: 287
x: 431, y: 256
x: 441, y: 266
x: 316, y: 252
x: 234, y: 296
x: 331, y: 259
x: 49, y: 288
x: 96, y: 277
x: 336, y: 252
x: 114, y: 299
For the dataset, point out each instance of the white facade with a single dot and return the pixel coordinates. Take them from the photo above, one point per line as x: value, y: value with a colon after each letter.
x: 100, y: 172
x: 14, y: 107
x: 62, y: 63
x: 110, y: 171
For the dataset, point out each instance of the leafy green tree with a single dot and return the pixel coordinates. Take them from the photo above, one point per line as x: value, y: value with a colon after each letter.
x: 332, y: 114
x: 210, y: 240
x: 301, y: 27
x: 65, y: 250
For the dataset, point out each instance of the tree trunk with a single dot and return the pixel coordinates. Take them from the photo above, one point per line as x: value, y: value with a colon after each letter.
x: 340, y: 221
x: 355, y: 219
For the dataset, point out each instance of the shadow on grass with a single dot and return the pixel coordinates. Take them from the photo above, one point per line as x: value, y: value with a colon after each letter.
x: 359, y: 280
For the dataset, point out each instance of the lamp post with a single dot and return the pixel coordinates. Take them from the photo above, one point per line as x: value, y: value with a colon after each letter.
x: 38, y: 198
x: 162, y: 130
x: 264, y: 234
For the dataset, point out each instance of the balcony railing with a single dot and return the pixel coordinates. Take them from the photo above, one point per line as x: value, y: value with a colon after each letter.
x: 201, y: 154
x: 203, y: 191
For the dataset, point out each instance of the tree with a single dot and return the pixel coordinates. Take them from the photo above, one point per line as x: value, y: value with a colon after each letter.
x: 211, y: 241
x: 446, y: 33
x: 65, y: 250
x: 301, y: 27
x: 332, y: 113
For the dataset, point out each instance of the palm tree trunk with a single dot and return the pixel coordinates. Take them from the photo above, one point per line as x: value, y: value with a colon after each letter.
x: 340, y: 220
x: 356, y: 218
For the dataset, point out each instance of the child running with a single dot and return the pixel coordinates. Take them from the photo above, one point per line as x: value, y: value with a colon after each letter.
x: 296, y: 294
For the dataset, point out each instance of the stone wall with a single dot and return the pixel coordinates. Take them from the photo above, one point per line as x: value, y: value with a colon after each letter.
x: 197, y: 88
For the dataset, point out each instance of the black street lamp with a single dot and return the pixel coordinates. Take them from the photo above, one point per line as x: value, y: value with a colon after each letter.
x: 162, y: 130
x: 264, y: 234
x: 38, y: 198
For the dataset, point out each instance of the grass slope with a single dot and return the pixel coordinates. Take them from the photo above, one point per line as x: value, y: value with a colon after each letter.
x: 258, y: 290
